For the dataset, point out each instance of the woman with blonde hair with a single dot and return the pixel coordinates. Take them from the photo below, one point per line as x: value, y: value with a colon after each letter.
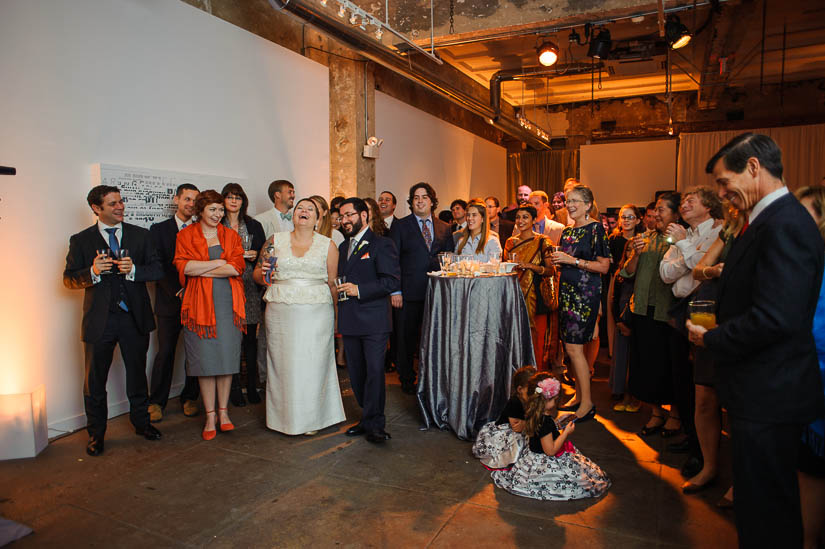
x: 324, y: 225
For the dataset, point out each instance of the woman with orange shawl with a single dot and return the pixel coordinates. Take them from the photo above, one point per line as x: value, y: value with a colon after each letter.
x: 209, y: 259
x: 532, y: 251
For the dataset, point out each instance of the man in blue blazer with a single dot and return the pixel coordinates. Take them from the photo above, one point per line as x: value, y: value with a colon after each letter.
x: 116, y: 310
x: 766, y: 364
x: 370, y: 264
x: 419, y: 238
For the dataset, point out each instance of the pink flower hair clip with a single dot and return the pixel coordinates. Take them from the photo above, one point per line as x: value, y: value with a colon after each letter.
x: 548, y: 388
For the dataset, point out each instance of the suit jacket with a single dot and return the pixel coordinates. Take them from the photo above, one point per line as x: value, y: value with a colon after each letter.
x: 163, y: 236
x: 374, y: 268
x: 505, y: 230
x: 96, y: 299
x: 414, y: 257
x: 766, y: 362
x: 552, y: 230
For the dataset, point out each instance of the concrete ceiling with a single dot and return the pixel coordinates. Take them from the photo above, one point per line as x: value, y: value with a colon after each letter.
x: 493, y: 35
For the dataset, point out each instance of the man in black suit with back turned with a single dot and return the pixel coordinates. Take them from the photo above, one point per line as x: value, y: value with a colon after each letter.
x: 167, y: 308
x: 116, y: 310
x: 370, y: 264
x: 766, y: 364
x: 419, y: 238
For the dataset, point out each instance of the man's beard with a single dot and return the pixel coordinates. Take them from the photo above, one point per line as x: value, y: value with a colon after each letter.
x: 356, y: 228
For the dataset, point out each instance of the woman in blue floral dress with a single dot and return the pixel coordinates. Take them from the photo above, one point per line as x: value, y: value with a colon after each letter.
x: 584, y: 256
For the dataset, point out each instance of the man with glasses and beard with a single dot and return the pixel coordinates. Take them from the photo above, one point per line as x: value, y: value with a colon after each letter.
x: 370, y: 264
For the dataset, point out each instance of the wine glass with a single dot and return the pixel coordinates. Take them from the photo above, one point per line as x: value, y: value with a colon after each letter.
x: 108, y: 253
x: 342, y: 296
x: 121, y: 254
x: 246, y: 242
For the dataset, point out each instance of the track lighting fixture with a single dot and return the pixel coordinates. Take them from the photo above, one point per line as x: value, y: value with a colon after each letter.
x: 548, y: 54
x: 600, y: 45
x: 676, y: 32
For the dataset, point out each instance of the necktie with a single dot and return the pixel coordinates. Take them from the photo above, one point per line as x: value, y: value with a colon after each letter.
x: 184, y: 225
x: 425, y: 232
x: 286, y: 216
x: 352, y: 244
x: 115, y: 246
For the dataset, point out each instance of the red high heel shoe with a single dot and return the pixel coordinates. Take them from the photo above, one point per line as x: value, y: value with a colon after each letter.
x: 224, y: 427
x: 209, y: 435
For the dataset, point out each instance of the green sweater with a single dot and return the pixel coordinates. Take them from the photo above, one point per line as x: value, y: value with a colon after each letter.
x: 648, y: 288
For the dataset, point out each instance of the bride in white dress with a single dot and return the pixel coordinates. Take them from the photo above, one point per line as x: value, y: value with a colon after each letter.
x: 302, y: 391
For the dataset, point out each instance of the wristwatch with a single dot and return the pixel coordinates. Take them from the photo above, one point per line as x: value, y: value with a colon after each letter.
x: 577, y: 262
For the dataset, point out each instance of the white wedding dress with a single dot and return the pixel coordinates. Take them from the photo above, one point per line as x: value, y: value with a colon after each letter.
x: 302, y: 390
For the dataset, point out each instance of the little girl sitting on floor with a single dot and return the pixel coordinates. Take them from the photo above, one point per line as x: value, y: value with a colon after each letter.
x: 499, y: 442
x: 550, y: 467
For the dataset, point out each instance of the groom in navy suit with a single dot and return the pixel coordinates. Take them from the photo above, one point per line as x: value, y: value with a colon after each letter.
x: 370, y: 264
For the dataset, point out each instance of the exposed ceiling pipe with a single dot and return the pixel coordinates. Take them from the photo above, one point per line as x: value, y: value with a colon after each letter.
x: 373, y: 51
x: 532, y: 72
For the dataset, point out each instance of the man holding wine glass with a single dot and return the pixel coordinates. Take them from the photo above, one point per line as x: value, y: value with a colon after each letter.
x: 370, y: 264
x: 116, y: 309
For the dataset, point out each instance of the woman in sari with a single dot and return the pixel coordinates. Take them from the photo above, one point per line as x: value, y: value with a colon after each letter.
x: 532, y: 253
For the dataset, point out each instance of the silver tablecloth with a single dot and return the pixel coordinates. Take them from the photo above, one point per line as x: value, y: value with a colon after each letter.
x: 476, y: 333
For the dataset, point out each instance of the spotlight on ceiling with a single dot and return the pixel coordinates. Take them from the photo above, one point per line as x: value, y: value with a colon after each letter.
x: 548, y: 54
x: 600, y: 45
x: 676, y: 32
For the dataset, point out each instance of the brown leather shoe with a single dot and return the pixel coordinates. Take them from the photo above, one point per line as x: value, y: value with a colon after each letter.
x: 190, y: 408
x: 155, y: 413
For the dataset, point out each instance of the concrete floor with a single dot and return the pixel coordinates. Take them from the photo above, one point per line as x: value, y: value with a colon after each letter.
x: 257, y: 488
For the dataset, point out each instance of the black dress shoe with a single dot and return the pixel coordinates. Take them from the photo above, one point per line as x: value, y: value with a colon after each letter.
x: 571, y: 408
x: 408, y: 388
x: 682, y: 447
x: 252, y: 396
x: 378, y: 437
x: 149, y: 433
x: 586, y: 417
x: 355, y: 430
x: 692, y: 467
x: 95, y: 446
x: 236, y: 397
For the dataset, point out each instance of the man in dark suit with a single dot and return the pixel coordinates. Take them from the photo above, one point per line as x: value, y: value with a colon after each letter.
x: 766, y: 363
x: 370, y: 264
x: 116, y: 309
x: 501, y: 226
x: 167, y: 309
x: 419, y: 238
x: 387, y: 204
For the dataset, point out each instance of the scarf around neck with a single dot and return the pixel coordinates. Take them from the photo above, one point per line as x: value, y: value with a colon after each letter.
x: 197, y: 310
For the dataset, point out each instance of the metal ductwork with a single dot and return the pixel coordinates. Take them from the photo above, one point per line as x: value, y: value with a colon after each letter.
x: 374, y: 51
x: 533, y: 72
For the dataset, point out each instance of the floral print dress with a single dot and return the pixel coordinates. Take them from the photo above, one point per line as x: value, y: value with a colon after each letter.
x: 580, y: 291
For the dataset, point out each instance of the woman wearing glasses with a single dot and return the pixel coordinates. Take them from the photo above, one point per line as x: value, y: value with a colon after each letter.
x: 584, y: 257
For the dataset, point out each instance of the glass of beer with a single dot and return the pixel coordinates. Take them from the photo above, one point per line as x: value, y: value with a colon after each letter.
x: 703, y: 313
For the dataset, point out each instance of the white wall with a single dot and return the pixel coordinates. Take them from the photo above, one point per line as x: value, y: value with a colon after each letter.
x: 622, y: 173
x: 420, y: 147
x: 146, y: 83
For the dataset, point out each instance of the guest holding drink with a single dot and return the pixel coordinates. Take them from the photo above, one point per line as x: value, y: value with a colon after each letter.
x: 651, y: 376
x: 476, y: 239
x: 302, y: 391
x: 583, y: 258
x: 235, y: 203
x: 210, y: 259
x: 532, y: 253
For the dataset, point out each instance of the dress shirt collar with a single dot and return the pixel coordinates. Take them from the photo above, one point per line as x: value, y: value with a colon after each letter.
x: 180, y: 221
x: 360, y: 235
x: 702, y: 229
x: 101, y: 227
x: 422, y: 219
x: 766, y: 201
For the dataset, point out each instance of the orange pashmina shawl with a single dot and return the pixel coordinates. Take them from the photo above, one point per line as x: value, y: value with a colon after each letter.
x: 197, y: 310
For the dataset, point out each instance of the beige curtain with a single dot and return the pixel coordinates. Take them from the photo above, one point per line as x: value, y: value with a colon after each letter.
x: 803, y: 154
x: 541, y: 171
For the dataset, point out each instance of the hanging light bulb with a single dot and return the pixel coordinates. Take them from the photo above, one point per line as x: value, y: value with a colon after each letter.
x: 548, y: 54
x: 379, y: 32
x: 324, y: 2
x: 342, y: 11
x: 353, y: 19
